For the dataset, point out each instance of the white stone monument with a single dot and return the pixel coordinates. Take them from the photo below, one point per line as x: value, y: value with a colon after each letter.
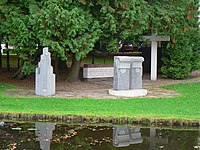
x: 127, y: 81
x: 45, y: 78
x: 154, y: 52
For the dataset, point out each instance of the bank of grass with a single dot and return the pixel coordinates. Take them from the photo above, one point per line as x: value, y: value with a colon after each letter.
x: 185, y: 107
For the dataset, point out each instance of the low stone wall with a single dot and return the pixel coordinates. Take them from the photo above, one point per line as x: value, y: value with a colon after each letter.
x: 92, y: 71
x: 96, y: 120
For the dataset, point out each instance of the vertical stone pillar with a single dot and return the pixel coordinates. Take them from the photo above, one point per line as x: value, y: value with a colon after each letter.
x: 127, y: 79
x: 44, y: 77
x: 154, y: 62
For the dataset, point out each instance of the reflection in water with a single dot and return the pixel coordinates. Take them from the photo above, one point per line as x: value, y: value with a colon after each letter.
x: 153, y: 140
x: 124, y: 136
x: 47, y: 136
x: 44, y: 132
x: 198, y: 140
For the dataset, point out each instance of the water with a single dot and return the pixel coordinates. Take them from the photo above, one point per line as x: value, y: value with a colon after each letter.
x: 51, y: 136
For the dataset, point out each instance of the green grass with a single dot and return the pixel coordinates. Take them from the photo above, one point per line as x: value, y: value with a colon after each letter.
x: 183, y: 107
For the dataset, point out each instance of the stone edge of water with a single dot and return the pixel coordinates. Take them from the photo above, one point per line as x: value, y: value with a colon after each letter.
x: 96, y: 120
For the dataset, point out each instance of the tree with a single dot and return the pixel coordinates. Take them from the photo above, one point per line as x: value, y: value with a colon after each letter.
x: 182, y: 55
x: 73, y: 28
x: 68, y: 29
x: 119, y: 20
x: 16, y: 30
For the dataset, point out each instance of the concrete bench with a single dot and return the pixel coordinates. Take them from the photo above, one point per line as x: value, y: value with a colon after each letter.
x: 92, y: 71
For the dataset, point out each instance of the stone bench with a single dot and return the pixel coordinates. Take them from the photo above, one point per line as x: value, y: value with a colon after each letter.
x: 92, y: 71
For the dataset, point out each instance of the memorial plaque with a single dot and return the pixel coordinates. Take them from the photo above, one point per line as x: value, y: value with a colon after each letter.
x: 100, y: 72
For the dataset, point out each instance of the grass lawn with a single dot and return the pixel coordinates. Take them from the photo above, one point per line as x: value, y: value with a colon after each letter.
x: 185, y: 107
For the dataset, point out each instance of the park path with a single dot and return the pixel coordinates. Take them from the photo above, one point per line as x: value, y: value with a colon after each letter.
x: 95, y: 88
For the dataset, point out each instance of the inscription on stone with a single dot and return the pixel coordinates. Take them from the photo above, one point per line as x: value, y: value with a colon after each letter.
x: 101, y: 72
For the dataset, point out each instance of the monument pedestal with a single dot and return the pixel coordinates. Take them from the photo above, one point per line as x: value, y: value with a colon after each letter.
x: 128, y: 93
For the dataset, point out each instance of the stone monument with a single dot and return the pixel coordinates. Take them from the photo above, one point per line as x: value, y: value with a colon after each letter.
x: 45, y: 78
x: 127, y: 81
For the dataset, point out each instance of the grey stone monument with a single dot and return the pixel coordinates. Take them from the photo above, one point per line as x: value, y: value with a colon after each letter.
x: 127, y: 79
x: 45, y: 78
x: 44, y: 132
x: 124, y: 136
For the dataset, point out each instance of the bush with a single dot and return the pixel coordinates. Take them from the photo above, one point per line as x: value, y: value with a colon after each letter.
x: 177, y: 58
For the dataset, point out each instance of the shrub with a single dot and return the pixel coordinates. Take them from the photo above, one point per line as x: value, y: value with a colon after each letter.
x: 178, y: 58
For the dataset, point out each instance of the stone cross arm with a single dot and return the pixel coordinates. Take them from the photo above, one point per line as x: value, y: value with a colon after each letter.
x: 157, y: 38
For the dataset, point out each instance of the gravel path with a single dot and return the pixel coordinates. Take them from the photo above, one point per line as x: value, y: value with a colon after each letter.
x: 93, y: 89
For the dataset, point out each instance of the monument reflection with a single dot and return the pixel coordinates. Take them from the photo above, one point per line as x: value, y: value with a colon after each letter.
x: 44, y: 132
x: 125, y: 136
x: 49, y: 136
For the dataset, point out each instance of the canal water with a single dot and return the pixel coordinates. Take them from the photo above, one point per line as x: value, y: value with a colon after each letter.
x: 52, y: 136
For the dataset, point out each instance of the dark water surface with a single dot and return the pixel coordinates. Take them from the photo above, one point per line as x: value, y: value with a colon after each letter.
x: 51, y: 136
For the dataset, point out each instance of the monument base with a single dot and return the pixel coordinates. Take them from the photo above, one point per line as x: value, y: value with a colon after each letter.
x: 128, y: 93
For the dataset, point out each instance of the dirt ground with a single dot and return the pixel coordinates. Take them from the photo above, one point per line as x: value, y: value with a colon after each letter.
x: 92, y: 88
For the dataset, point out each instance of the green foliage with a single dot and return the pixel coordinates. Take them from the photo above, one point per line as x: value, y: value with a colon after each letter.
x: 66, y: 28
x: 121, y: 20
x: 183, y: 52
x: 178, y: 58
x: 75, y: 27
x: 28, y: 68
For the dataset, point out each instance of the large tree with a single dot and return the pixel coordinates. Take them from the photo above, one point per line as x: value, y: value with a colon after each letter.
x: 71, y: 28
x: 119, y: 20
x: 182, y: 54
x: 16, y: 30
x: 66, y: 27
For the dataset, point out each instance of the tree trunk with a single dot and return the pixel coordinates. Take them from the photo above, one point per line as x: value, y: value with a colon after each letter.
x: 19, y: 74
x: 18, y: 62
x: 73, y: 74
x: 7, y: 57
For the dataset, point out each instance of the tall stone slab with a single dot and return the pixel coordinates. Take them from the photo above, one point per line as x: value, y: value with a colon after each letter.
x: 127, y: 79
x: 44, y: 77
